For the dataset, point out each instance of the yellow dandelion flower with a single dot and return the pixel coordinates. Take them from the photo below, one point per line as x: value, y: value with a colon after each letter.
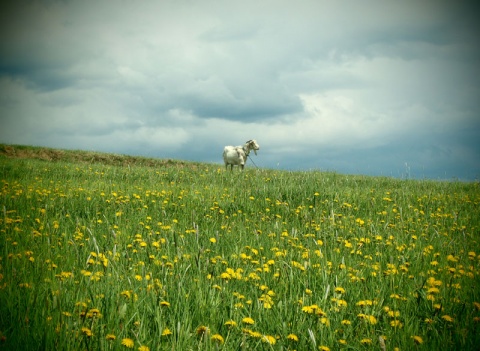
x: 339, y: 290
x: 372, y: 319
x: 325, y: 321
x: 85, y: 273
x: 269, y: 339
x: 452, y: 258
x: 87, y: 331
x: 225, y: 276
x: 231, y: 323
x: 110, y: 337
x: 143, y: 348
x: 165, y: 304
x: 126, y: 293
x: 366, y: 341
x: 94, y: 312
x: 217, y: 338
x: 324, y: 348
x: 447, y: 318
x: 393, y: 314
x: 292, y: 337
x: 396, y: 324
x: 248, y: 320
x: 127, y: 342
x: 417, y: 339
x: 166, y: 332
x: 202, y: 330
x: 253, y: 334
x: 308, y: 309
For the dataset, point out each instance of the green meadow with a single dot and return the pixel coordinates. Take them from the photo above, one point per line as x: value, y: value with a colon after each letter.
x: 109, y: 252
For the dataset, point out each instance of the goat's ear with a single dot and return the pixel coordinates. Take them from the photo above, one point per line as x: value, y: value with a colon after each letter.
x: 249, y: 141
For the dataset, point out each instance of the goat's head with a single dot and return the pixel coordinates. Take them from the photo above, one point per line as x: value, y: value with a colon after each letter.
x: 252, y: 145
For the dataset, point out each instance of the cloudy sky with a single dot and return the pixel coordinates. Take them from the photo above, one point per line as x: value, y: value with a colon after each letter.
x: 359, y: 87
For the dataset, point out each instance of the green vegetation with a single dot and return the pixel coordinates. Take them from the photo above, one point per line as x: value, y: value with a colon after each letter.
x: 101, y: 252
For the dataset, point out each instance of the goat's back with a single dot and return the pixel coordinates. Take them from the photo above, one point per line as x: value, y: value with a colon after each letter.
x: 234, y: 155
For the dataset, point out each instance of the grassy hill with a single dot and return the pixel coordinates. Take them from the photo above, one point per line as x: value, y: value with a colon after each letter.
x: 80, y: 156
x: 102, y: 251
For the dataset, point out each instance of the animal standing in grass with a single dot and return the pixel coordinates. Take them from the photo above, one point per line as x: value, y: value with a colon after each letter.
x: 237, y: 155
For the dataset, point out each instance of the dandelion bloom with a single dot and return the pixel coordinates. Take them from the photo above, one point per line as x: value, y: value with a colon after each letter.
x: 447, y: 318
x: 248, y: 320
x: 94, y: 312
x: 393, y: 313
x: 166, y: 332
x: 308, y: 309
x: 269, y: 339
x: 292, y: 337
x: 87, y: 331
x: 218, y: 338
x: 417, y: 339
x: 230, y: 323
x: 325, y: 321
x: 202, y: 330
x: 165, y: 304
x: 340, y: 290
x: 143, y: 348
x: 128, y: 343
x: 396, y: 323
x: 366, y: 341
x: 110, y: 337
x: 324, y: 348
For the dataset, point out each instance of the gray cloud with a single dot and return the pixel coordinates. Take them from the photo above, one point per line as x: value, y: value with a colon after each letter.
x: 361, y: 87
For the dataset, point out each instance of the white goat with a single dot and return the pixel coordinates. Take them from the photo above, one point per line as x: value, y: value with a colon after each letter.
x: 237, y: 155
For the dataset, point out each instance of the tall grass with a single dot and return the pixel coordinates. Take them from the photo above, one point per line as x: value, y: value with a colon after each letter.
x: 100, y: 256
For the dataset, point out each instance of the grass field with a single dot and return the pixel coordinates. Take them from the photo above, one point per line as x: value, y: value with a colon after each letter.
x: 108, y: 252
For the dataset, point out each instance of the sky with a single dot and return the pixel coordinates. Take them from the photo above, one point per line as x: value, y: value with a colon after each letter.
x: 388, y: 88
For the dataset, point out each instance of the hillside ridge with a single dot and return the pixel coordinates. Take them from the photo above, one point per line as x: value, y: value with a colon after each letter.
x: 83, y: 156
